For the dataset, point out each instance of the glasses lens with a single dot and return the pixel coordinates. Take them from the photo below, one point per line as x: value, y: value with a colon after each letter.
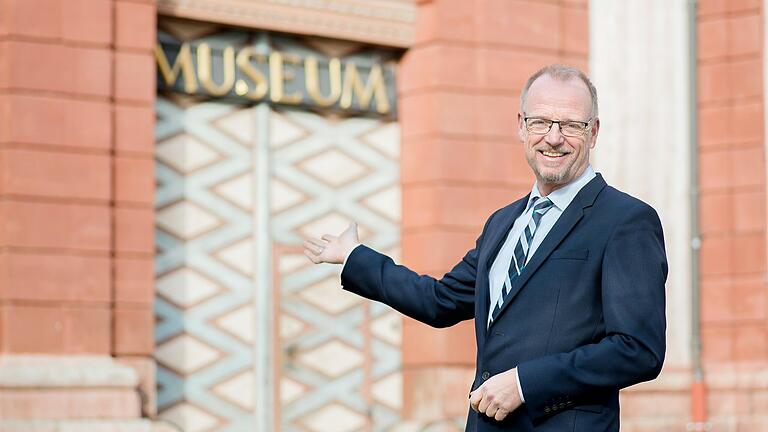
x: 572, y: 128
x: 538, y: 126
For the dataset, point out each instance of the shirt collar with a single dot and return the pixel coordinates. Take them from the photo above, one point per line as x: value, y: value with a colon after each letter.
x: 562, y: 197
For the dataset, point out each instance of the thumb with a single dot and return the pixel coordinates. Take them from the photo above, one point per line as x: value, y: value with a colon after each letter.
x: 351, y: 231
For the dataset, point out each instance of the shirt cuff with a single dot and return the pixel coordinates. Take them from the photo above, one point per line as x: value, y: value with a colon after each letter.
x: 347, y: 257
x: 519, y: 386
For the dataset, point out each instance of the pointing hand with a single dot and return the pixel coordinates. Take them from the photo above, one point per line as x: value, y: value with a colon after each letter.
x: 332, y: 249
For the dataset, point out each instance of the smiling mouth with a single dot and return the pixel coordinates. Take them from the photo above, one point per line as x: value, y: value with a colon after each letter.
x: 553, y: 154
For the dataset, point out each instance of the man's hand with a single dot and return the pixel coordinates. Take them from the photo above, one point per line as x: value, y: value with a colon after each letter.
x: 498, y: 396
x: 332, y: 249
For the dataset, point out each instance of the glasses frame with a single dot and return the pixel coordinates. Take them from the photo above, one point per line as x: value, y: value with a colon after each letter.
x: 585, y: 125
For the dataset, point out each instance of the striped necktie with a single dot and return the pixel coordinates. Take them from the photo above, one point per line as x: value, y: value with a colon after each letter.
x: 521, y: 252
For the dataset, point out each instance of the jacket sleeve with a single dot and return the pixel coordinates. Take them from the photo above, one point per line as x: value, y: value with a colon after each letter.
x: 634, y: 270
x: 438, y: 303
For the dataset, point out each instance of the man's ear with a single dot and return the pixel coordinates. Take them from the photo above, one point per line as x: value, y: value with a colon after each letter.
x: 520, y: 127
x: 595, y: 130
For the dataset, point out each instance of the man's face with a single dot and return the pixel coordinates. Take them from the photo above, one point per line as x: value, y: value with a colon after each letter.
x: 556, y: 159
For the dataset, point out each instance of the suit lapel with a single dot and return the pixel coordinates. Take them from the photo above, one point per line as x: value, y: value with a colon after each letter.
x: 570, y: 217
x: 507, y: 218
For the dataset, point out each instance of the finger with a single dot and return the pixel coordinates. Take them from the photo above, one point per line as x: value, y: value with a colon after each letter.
x: 315, y: 249
x: 474, y: 399
x: 318, y: 242
x: 329, y: 238
x: 484, y: 404
x: 501, y: 414
x: 491, y: 411
x: 312, y: 257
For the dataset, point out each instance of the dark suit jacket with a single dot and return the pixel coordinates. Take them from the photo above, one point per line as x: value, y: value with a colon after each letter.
x: 586, y: 317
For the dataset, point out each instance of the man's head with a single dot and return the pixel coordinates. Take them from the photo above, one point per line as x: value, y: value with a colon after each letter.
x: 558, y: 152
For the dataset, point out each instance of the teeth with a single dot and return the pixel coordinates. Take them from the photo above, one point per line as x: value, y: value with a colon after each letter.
x: 553, y: 154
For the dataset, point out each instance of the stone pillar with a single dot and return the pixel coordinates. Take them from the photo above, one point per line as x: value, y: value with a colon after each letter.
x: 643, y: 149
x: 461, y: 158
x: 76, y: 229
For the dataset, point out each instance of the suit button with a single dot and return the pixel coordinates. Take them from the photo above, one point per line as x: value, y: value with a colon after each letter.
x: 562, y: 405
x: 547, y: 409
x: 486, y: 375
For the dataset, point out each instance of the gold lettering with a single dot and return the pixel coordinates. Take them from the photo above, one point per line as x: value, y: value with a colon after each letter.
x: 278, y: 76
x: 312, y: 80
x: 182, y: 65
x: 244, y: 64
x: 205, y: 70
x: 375, y: 87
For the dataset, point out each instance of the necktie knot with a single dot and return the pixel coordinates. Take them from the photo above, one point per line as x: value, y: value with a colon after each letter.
x: 540, y: 209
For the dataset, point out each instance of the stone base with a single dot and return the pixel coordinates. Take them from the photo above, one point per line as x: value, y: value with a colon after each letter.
x: 85, y: 426
x: 68, y: 393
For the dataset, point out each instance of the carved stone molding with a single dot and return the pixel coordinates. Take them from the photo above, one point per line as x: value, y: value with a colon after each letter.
x: 380, y: 22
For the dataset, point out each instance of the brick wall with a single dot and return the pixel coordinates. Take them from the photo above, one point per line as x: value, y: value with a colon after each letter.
x: 461, y: 157
x: 733, y: 217
x: 77, y: 89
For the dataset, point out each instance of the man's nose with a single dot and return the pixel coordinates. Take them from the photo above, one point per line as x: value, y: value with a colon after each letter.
x: 554, y: 136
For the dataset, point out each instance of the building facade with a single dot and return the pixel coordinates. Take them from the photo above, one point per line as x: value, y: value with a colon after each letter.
x: 161, y: 162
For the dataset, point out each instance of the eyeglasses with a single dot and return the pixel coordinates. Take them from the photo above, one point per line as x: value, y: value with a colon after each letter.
x: 569, y: 128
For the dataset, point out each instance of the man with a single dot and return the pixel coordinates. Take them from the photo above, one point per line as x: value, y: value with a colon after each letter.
x: 566, y: 285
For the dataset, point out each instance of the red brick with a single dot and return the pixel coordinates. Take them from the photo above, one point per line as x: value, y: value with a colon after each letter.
x: 134, y: 329
x: 56, y: 225
x: 575, y: 30
x: 746, y: 78
x: 67, y: 403
x: 745, y: 35
x: 717, y: 343
x: 146, y: 369
x: 47, y: 277
x: 746, y: 122
x: 435, y: 204
x: 451, y: 20
x: 715, y: 301
x: 136, y: 25
x: 87, y: 21
x: 134, y: 280
x: 749, y: 211
x: 4, y: 66
x: 135, y: 180
x: 25, y: 17
x: 33, y: 63
x: 747, y: 167
x: 92, y: 71
x: 714, y: 170
x: 497, y: 161
x: 54, y: 174
x: 749, y: 299
x: 714, y: 79
x: 744, y: 5
x: 498, y: 117
x: 68, y: 123
x: 135, y: 129
x: 508, y: 69
x: 713, y: 38
x: 716, y: 213
x: 727, y: 403
x: 134, y: 230
x: 709, y: 7
x: 134, y: 77
x: 716, y: 255
x: 750, y: 343
x: 438, y: 112
x: 657, y: 404
x: 4, y: 18
x: 435, y: 250
x: 436, y: 392
x: 39, y: 329
x: 532, y: 24
x: 751, y: 257
x: 423, y: 345
x: 437, y: 64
